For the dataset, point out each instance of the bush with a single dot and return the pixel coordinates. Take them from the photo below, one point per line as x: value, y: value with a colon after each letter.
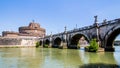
x: 78, y: 45
x: 37, y: 44
x: 46, y: 45
x: 93, y: 46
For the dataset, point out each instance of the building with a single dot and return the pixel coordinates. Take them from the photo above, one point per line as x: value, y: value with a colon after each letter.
x: 33, y: 30
x: 10, y: 34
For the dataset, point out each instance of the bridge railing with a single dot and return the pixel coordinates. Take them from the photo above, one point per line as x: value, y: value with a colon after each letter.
x: 92, y: 26
x: 109, y: 22
x: 58, y: 34
x: 87, y: 27
x: 81, y: 29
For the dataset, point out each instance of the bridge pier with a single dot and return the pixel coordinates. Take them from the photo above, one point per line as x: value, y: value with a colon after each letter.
x: 50, y: 45
x: 63, y: 45
x: 110, y: 49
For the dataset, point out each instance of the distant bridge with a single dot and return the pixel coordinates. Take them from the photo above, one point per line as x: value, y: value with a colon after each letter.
x: 117, y: 43
x: 104, y: 32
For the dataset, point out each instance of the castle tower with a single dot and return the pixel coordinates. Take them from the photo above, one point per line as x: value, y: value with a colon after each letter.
x: 33, y: 29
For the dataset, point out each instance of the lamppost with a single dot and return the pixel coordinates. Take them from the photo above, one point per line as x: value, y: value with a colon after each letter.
x: 76, y: 26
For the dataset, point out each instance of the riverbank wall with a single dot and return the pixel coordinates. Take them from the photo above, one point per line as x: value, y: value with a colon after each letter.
x: 18, y: 41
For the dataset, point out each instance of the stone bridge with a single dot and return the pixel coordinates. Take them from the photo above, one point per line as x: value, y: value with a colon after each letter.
x: 104, y: 32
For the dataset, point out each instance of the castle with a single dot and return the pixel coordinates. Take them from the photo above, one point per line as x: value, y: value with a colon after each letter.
x: 27, y: 36
x: 32, y: 30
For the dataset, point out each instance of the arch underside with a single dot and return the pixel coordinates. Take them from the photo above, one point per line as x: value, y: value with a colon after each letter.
x: 75, y: 40
x: 40, y: 42
x: 47, y: 42
x: 57, y: 42
x: 111, y: 38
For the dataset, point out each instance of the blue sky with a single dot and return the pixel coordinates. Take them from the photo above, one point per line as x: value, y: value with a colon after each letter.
x: 55, y: 14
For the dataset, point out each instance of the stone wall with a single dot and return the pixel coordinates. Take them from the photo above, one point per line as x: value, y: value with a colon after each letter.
x: 9, y: 34
x: 6, y: 41
x: 10, y: 41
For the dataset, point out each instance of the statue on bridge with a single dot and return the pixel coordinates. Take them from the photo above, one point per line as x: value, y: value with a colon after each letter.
x: 96, y: 20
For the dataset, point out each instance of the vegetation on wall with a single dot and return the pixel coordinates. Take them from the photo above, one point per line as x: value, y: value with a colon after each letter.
x: 46, y: 45
x: 78, y: 45
x: 37, y: 44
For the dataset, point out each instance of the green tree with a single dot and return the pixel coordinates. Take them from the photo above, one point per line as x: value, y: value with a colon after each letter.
x: 93, y: 46
x: 37, y: 44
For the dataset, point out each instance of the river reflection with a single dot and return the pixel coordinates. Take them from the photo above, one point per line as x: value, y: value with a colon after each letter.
x: 55, y: 58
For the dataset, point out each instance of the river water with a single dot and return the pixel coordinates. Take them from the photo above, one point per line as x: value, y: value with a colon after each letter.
x: 57, y: 58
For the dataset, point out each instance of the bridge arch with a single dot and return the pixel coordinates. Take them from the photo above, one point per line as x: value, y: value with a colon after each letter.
x: 47, y: 42
x: 75, y: 39
x: 112, y: 34
x: 40, y: 42
x: 57, y: 42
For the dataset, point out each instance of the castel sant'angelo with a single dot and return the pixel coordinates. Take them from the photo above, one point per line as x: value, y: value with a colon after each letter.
x: 33, y: 30
x: 27, y: 36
